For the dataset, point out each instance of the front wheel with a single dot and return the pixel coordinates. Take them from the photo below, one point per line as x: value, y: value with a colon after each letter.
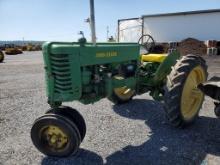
x: 55, y: 135
x: 72, y: 115
x: 182, y: 99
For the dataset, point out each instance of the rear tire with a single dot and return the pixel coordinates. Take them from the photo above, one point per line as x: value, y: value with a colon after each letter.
x: 182, y: 99
x: 2, y: 57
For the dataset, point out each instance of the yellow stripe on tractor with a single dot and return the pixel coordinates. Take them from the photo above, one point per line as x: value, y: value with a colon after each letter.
x: 153, y: 57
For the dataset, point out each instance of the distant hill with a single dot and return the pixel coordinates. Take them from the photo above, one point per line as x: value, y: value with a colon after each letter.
x: 20, y: 43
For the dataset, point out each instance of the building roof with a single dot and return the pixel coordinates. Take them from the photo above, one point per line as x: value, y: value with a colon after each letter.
x: 183, y: 13
x: 127, y: 19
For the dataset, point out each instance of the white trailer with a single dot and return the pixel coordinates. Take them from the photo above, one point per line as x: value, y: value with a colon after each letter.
x: 202, y: 25
x: 130, y: 30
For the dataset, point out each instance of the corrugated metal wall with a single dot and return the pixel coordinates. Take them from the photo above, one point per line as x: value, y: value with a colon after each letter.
x: 203, y: 26
x: 175, y: 28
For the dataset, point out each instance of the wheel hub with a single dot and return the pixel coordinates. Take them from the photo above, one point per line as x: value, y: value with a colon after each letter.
x: 55, y: 137
x: 192, y: 97
x: 124, y: 93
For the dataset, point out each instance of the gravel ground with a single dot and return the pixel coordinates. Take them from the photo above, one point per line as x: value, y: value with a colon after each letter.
x: 135, y: 133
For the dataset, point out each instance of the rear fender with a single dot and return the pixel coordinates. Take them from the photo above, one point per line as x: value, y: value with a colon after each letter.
x: 165, y: 67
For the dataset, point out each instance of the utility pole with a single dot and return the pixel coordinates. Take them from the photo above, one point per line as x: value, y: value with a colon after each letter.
x: 92, y: 21
x: 107, y: 32
x: 23, y: 41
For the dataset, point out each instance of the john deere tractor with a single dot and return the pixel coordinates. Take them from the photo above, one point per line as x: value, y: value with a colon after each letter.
x: 87, y: 72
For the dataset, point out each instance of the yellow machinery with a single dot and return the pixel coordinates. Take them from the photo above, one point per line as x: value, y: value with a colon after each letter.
x: 13, y: 51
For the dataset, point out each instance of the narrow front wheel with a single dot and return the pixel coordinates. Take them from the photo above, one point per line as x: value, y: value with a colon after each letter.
x: 55, y: 135
x: 72, y: 115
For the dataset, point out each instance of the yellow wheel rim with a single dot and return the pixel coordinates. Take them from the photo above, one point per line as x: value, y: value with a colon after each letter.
x: 124, y: 93
x: 55, y: 137
x: 192, y: 97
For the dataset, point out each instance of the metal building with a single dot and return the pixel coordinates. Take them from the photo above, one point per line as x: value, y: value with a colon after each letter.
x: 202, y: 25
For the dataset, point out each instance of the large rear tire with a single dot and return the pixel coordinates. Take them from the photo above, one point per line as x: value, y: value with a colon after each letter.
x: 182, y: 99
x: 1, y: 56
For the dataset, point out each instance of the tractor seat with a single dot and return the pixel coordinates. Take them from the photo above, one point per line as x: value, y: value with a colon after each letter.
x: 153, y: 57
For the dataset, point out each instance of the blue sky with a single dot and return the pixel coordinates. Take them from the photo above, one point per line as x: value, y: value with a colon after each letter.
x: 62, y: 19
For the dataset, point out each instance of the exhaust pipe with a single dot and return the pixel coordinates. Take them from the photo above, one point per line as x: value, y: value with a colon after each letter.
x: 92, y: 22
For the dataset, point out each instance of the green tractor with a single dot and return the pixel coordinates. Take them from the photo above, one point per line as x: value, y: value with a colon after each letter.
x: 2, y: 57
x: 86, y: 72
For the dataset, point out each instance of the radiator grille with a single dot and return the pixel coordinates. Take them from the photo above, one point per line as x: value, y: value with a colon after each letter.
x: 60, y: 67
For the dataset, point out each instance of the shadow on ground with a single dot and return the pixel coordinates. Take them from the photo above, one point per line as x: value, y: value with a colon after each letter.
x: 165, y: 145
x: 83, y: 157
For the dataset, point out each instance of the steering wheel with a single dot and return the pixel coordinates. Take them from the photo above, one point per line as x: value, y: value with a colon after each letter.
x: 147, y: 42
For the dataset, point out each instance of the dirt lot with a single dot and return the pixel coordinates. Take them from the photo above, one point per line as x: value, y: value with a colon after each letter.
x: 135, y: 133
